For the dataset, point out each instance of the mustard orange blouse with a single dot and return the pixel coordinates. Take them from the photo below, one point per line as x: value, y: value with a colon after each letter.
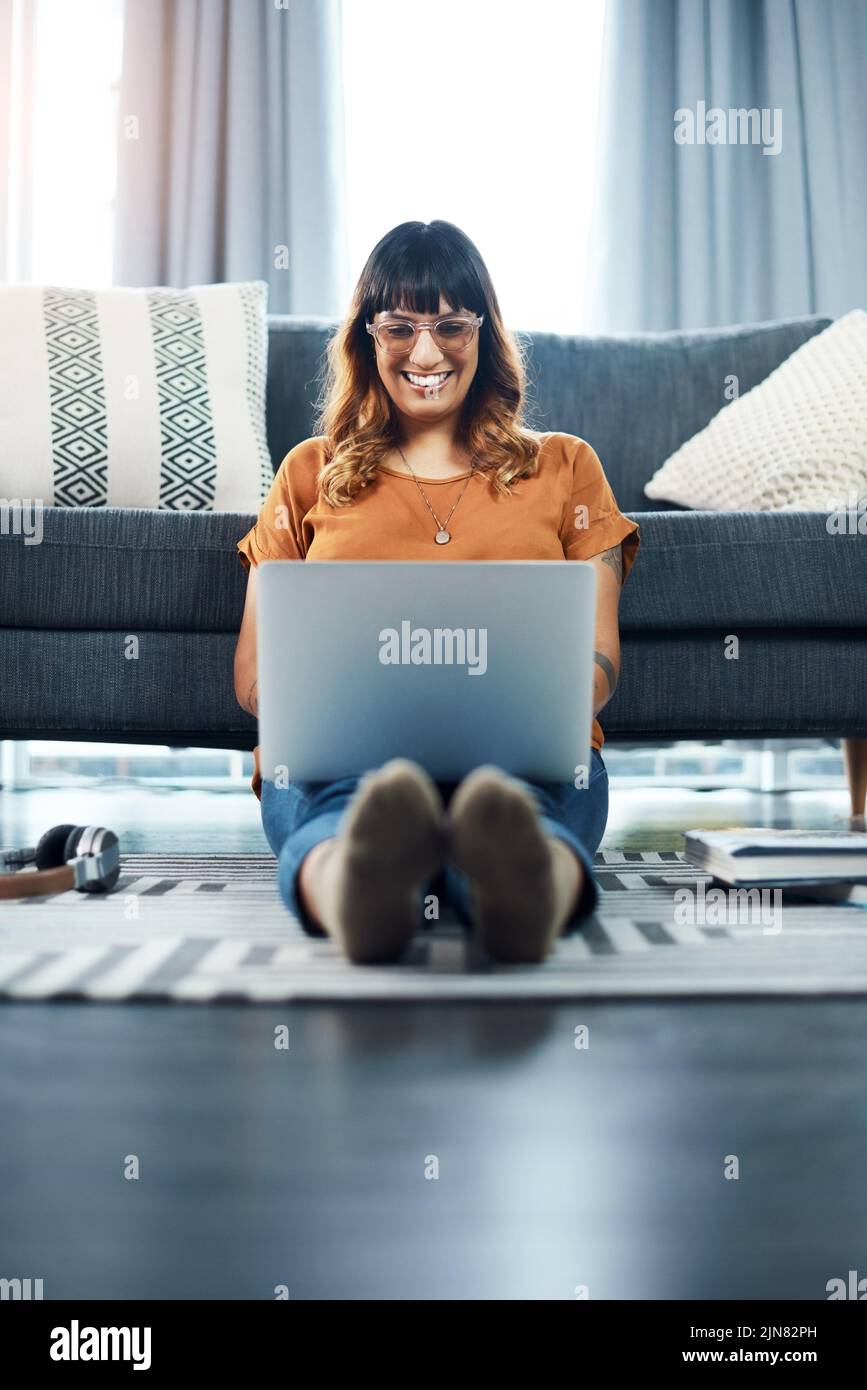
x: 565, y: 511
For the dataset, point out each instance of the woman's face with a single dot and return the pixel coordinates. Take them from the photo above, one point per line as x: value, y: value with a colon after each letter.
x: 427, y: 383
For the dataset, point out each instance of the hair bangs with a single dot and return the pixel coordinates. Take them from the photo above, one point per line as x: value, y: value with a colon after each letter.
x: 416, y: 271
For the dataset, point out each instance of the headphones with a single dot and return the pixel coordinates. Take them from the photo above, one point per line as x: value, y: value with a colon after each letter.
x: 83, y: 857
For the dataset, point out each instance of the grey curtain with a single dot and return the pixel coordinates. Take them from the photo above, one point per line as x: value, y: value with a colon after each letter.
x: 692, y: 235
x: 230, y: 149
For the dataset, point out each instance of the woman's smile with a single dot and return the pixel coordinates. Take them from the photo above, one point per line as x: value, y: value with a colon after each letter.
x: 426, y: 381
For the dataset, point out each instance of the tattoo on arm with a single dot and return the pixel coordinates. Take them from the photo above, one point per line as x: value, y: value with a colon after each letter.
x: 253, y: 697
x: 608, y: 668
x: 614, y: 558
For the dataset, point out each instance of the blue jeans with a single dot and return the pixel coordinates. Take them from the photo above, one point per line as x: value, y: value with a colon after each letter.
x: 298, y: 816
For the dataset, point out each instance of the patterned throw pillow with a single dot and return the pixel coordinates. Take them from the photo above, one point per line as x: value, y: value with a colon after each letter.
x: 135, y: 397
x: 795, y: 442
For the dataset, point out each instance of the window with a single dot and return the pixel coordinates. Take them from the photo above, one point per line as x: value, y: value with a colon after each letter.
x: 483, y: 114
x: 66, y: 61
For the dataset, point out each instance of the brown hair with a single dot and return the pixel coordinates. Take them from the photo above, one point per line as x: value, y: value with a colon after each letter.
x: 410, y: 268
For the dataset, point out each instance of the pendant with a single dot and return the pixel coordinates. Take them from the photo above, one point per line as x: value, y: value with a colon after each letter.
x: 442, y: 537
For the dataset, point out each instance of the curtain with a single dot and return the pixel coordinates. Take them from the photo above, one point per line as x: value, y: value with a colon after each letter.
x: 230, y: 149
x: 696, y: 234
x: 5, y: 131
x: 17, y: 91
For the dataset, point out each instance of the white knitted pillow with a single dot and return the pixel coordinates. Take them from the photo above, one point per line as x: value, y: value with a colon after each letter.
x: 796, y: 442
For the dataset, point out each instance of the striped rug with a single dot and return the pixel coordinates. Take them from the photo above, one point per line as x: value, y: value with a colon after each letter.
x: 210, y: 929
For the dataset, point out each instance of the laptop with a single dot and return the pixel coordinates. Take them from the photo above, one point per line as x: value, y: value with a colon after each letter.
x: 452, y: 665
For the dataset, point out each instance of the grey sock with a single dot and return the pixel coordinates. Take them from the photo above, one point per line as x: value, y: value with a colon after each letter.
x: 524, y: 881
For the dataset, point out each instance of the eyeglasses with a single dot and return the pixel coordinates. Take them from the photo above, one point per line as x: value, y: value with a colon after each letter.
x: 399, y: 336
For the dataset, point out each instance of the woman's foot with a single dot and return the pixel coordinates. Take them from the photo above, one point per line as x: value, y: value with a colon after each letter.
x: 525, y: 883
x: 365, y: 882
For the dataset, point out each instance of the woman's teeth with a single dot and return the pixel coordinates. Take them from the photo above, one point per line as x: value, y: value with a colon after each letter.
x: 436, y: 379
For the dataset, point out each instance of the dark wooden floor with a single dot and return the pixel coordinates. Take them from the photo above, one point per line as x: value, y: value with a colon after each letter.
x: 306, y: 1166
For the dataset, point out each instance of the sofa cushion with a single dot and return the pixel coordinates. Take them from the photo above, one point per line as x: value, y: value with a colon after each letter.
x: 796, y: 442
x: 140, y: 570
x: 739, y: 570
x: 296, y: 368
x: 637, y: 399
x: 180, y: 685
x: 803, y: 682
x: 125, y: 570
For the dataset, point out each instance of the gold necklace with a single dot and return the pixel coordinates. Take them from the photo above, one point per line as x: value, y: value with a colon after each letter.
x: 443, y: 535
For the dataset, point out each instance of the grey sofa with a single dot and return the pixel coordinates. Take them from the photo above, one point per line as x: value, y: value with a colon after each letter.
x: 795, y: 595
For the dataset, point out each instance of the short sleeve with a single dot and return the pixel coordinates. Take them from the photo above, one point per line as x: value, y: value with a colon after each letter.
x: 593, y: 521
x: 278, y: 533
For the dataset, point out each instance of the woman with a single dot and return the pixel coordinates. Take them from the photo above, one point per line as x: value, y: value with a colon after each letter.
x: 422, y: 455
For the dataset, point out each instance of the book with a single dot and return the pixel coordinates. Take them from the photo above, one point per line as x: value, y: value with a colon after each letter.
x: 754, y: 854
